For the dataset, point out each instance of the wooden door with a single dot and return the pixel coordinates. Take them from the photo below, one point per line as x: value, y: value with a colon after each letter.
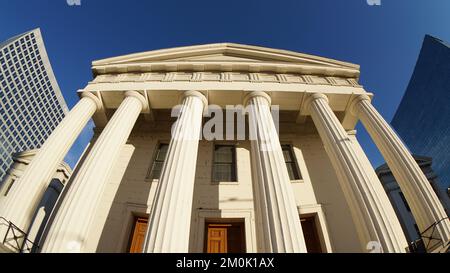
x: 138, y: 235
x: 225, y: 237
x: 217, y: 239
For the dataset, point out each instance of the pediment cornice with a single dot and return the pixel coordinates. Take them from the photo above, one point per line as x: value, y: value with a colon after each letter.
x: 225, y: 57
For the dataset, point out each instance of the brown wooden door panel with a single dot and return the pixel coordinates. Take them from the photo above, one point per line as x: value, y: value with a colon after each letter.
x: 217, y: 240
x: 225, y: 238
x: 138, y: 235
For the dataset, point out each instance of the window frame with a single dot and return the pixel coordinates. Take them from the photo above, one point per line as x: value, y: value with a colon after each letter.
x: 234, y: 163
x: 295, y: 162
x: 149, y: 177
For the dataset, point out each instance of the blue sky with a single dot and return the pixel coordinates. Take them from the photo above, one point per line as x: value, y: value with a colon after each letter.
x: 385, y: 40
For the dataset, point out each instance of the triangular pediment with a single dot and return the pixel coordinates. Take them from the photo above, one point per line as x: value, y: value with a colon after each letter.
x: 225, y: 52
x: 225, y: 57
x: 220, y: 57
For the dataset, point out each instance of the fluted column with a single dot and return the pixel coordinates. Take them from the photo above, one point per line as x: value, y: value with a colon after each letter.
x: 69, y: 229
x: 170, y: 216
x: 275, y: 205
x: 368, y: 206
x: 20, y: 204
x: 424, y: 203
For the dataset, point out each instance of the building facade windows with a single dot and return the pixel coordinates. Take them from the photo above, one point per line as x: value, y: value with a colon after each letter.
x: 22, y: 99
x: 158, y: 162
x: 224, y: 163
x: 291, y: 162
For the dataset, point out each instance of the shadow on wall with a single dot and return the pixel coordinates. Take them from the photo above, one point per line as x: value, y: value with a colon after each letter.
x: 206, y: 193
x: 329, y: 193
x: 130, y: 200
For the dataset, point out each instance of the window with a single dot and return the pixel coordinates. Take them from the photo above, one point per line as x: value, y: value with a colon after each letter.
x: 158, y: 163
x: 224, y: 164
x: 291, y: 162
x: 402, y: 196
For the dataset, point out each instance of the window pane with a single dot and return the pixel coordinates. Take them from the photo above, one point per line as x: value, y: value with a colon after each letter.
x: 292, y: 170
x: 156, y: 170
x: 287, y: 153
x: 224, y: 168
x: 159, y: 161
x: 224, y: 173
x: 224, y: 154
x: 162, y: 152
x: 291, y: 163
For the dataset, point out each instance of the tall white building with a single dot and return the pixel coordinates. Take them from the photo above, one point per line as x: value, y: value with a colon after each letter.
x: 148, y: 184
x: 31, y: 104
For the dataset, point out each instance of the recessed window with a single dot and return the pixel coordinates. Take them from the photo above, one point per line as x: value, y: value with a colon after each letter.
x: 224, y: 165
x: 158, y: 162
x: 291, y: 162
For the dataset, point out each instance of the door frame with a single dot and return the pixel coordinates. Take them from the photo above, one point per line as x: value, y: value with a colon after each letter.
x: 133, y: 230
x: 197, y: 242
x: 321, y: 224
x: 227, y: 222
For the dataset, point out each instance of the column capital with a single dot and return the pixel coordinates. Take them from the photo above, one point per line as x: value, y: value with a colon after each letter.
x: 96, y: 100
x: 193, y: 93
x: 253, y: 94
x: 355, y: 101
x: 315, y: 96
x: 140, y: 97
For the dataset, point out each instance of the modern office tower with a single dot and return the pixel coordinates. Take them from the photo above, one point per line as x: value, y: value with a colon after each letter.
x: 31, y: 103
x: 423, y: 117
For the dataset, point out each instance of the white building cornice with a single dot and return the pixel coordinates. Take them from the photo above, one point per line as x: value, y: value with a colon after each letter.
x: 225, y: 57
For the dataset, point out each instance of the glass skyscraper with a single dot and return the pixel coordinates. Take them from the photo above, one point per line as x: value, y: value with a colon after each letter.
x: 31, y: 103
x: 423, y: 117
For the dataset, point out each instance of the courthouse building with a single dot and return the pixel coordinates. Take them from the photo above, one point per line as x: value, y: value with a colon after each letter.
x: 147, y: 184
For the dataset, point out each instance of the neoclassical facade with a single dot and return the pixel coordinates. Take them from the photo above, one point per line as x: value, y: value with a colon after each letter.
x: 149, y: 183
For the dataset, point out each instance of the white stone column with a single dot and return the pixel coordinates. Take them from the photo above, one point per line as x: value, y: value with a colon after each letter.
x: 276, y: 210
x: 368, y: 206
x: 21, y: 203
x: 424, y: 203
x: 70, y: 227
x: 170, y: 216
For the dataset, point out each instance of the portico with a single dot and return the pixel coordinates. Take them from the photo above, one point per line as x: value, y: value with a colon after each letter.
x: 313, y: 168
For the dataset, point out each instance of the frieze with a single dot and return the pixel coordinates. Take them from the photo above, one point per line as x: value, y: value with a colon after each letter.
x: 226, y: 77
